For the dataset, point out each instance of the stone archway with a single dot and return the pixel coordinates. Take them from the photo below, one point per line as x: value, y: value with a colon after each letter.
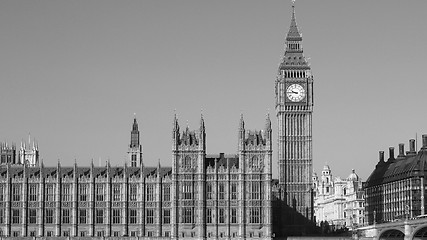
x: 392, y: 234
x: 421, y: 234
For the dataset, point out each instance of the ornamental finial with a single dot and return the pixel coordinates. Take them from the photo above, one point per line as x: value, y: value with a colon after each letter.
x: 293, y: 3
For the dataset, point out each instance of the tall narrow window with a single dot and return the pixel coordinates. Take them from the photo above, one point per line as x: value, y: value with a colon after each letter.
x: 233, y: 215
x: 233, y: 191
x: 49, y: 215
x: 83, y: 193
x: 50, y: 192
x: 33, y: 192
x: 208, y: 190
x: 221, y: 191
x: 166, y: 193
x: 133, y: 216
x: 166, y: 216
x: 208, y: 215
x: 65, y: 216
x: 16, y: 218
x: 16, y: 192
x: 221, y: 215
x: 2, y: 193
x: 187, y: 190
x: 254, y: 215
x: 187, y: 215
x: 100, y: 216
x: 82, y: 216
x: 116, y: 192
x: 1, y: 216
x: 100, y: 192
x: 66, y: 190
x: 150, y: 216
x: 133, y: 162
x: 150, y: 193
x: 116, y: 216
x: 255, y: 190
x: 133, y: 192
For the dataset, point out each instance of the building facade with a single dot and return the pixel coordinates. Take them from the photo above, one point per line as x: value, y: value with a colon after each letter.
x: 395, y: 190
x: 201, y: 196
x: 340, y: 202
x: 7, y: 154
x: 294, y: 108
x: 28, y: 153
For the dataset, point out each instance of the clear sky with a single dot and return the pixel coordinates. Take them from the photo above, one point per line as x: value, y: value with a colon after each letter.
x: 73, y: 73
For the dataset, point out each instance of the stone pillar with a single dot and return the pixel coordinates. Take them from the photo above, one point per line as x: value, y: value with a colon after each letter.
x: 75, y: 216
x: 58, y: 202
x: 25, y: 204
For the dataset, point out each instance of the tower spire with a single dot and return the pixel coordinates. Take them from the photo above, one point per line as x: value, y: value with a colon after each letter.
x: 134, y: 139
x: 293, y: 34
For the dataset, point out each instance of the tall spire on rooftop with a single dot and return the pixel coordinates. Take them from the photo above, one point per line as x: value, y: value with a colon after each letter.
x: 134, y: 135
x: 293, y: 34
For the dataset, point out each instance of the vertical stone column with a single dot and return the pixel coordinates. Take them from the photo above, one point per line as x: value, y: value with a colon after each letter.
x: 126, y: 201
x: 25, y: 204
x: 42, y: 202
x: 242, y: 197
x: 75, y: 216
x: 159, y: 203
x: 215, y: 186
x: 109, y: 202
x: 174, y: 204
x: 8, y: 199
x: 92, y: 190
x: 58, y: 202
x: 228, y: 194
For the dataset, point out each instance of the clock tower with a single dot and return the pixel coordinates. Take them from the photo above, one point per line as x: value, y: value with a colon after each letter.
x: 294, y: 108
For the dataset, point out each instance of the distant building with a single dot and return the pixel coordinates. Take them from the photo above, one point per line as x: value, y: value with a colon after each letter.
x: 200, y: 196
x: 29, y: 153
x: 338, y: 201
x: 7, y: 154
x: 396, y: 188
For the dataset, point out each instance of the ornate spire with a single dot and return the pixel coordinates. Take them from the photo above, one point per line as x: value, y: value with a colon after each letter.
x: 242, y: 122
x: 293, y: 34
x: 134, y: 134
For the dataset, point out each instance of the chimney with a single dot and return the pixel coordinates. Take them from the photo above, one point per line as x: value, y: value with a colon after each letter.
x: 424, y: 141
x: 381, y: 156
x: 401, y: 150
x: 391, y: 153
x: 411, y: 147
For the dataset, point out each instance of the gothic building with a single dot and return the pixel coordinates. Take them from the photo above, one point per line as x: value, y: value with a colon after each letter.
x: 340, y: 202
x: 201, y: 196
x: 28, y: 153
x: 294, y: 108
x: 7, y: 153
x: 396, y: 188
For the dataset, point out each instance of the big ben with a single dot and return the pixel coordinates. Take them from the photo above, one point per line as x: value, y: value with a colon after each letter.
x: 294, y: 109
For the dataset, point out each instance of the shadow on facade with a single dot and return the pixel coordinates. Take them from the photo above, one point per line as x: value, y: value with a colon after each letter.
x: 287, y: 221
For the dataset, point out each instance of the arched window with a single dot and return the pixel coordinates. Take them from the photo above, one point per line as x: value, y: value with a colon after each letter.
x: 345, y: 191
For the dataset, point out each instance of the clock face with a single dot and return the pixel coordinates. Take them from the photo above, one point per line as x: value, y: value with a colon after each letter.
x: 295, y: 93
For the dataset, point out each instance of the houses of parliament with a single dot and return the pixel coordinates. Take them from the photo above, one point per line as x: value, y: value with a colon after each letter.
x: 200, y: 196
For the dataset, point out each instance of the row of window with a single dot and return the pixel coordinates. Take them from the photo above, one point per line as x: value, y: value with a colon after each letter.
x: 187, y: 216
x: 118, y: 193
x: 83, y: 192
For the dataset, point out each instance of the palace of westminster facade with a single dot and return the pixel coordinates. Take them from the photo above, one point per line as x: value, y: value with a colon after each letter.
x: 202, y: 196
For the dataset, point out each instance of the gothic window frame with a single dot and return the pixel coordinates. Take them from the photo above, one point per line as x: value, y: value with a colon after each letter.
x: 117, y: 216
x: 133, y: 216
x: 66, y: 216
x: 166, y: 216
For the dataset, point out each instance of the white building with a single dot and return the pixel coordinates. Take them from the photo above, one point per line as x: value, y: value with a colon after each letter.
x: 338, y: 201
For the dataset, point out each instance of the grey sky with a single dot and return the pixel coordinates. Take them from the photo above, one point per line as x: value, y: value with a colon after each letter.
x: 72, y: 73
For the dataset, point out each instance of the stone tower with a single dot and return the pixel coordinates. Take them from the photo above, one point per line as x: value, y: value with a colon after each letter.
x: 135, y: 148
x: 188, y: 181
x: 29, y: 154
x: 294, y: 108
